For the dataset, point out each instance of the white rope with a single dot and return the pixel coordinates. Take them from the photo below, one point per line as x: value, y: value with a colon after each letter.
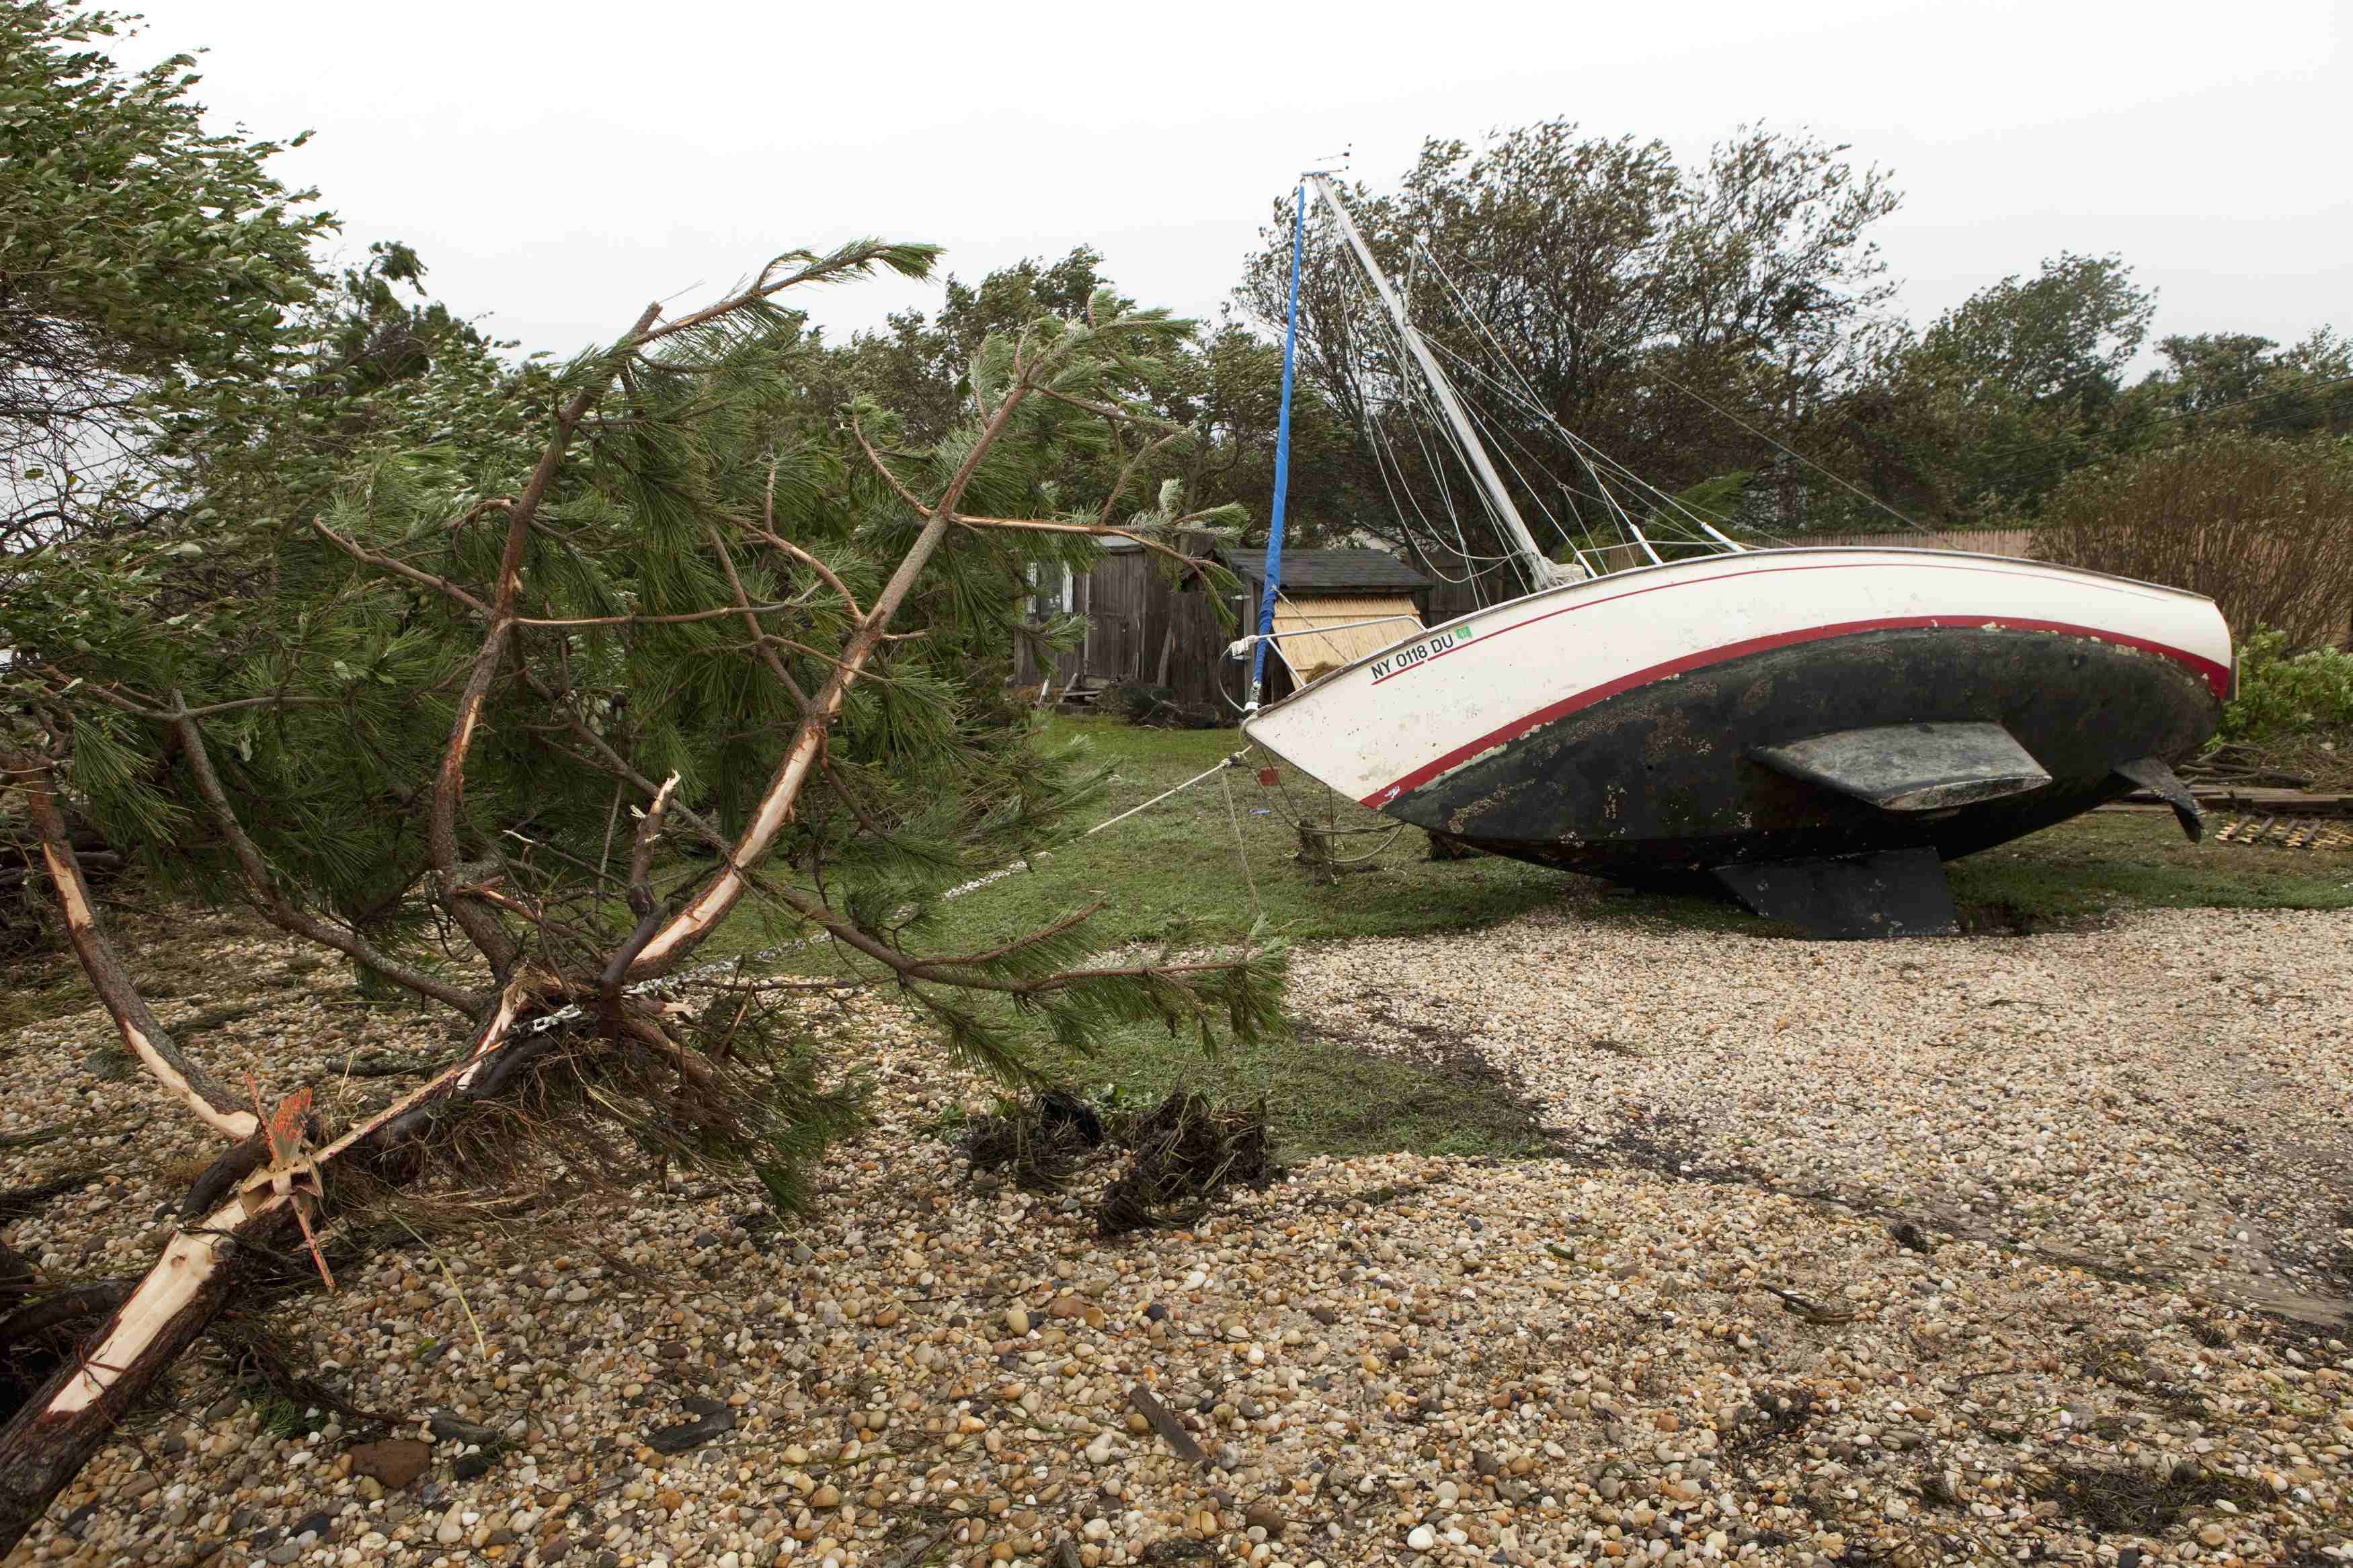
x: 1242, y: 850
x: 1233, y: 762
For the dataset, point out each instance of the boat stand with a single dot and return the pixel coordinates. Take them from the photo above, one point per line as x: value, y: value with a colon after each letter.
x: 1886, y: 893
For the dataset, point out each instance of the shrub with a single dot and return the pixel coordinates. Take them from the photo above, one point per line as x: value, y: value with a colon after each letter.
x: 2262, y: 527
x: 2290, y: 696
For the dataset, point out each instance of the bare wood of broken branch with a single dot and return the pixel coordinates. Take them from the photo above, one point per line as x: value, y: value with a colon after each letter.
x: 642, y: 904
x: 213, y: 1103
x: 55, y: 1431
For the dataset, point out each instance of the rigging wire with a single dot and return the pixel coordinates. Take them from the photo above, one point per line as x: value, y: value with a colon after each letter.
x: 1784, y: 447
x: 1578, y: 448
x: 1586, y: 455
x: 1392, y: 343
x: 1463, y: 303
x: 1528, y: 398
x: 1594, y: 458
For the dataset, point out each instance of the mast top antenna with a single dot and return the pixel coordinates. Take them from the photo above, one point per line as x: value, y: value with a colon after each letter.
x: 1332, y: 162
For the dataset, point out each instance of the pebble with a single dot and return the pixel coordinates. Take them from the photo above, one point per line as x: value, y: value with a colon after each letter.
x: 394, y: 1462
x: 1513, y: 1362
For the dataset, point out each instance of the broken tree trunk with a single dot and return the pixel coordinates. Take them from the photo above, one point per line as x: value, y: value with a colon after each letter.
x: 54, y: 1433
x: 147, y: 1038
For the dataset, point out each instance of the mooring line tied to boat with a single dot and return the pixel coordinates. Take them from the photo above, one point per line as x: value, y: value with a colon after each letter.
x: 1027, y: 862
x: 1266, y: 775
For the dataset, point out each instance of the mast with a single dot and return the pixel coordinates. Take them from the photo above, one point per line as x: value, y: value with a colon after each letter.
x: 1540, y: 568
x: 1281, y: 461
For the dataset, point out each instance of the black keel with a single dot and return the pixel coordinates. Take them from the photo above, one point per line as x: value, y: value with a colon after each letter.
x: 2153, y: 774
x: 1887, y: 893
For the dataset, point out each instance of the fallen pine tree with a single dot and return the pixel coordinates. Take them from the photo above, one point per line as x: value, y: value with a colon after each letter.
x: 516, y: 682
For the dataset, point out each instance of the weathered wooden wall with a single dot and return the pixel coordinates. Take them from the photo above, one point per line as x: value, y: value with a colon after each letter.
x: 1143, y: 629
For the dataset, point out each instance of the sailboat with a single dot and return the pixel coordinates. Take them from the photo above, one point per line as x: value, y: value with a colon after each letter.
x: 1814, y: 729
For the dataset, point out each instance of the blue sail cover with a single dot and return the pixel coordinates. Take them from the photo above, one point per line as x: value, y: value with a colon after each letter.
x: 1282, y: 457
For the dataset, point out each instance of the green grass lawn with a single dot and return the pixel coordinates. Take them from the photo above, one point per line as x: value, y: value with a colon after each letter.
x: 2112, y: 860
x: 1178, y: 861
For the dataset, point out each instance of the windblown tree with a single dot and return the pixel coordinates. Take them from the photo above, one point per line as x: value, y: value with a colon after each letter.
x: 655, y: 644
x: 2213, y: 382
x: 148, y: 269
x: 2008, y: 393
x: 1220, y: 385
x: 1593, y: 284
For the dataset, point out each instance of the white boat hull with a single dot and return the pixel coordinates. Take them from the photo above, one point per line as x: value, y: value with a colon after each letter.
x: 1616, y: 724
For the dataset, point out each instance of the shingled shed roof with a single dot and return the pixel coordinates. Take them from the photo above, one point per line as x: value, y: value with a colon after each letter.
x: 1330, y: 571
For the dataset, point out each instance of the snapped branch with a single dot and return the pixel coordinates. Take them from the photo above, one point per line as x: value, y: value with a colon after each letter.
x: 211, y: 1101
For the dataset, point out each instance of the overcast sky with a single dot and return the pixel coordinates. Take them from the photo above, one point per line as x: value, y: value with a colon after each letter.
x: 559, y: 165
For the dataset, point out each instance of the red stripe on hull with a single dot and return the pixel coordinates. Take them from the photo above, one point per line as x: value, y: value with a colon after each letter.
x: 2216, y: 675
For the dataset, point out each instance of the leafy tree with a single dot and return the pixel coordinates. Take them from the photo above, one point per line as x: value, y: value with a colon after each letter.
x: 917, y: 365
x: 2238, y: 380
x: 149, y: 271
x: 181, y: 380
x: 2004, y: 394
x: 1586, y: 284
x: 2063, y: 337
x: 405, y: 630
x: 1218, y: 390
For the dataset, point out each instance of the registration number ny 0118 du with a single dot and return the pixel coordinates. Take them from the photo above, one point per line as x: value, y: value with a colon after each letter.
x: 1421, y: 652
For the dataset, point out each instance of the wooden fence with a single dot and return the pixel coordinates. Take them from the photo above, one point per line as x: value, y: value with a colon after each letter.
x: 1142, y: 629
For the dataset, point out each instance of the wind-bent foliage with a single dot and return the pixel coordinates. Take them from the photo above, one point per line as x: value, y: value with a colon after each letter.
x: 767, y: 634
x: 148, y: 270
x: 1584, y: 281
x: 515, y: 687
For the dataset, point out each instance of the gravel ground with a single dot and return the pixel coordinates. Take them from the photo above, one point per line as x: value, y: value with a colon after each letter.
x: 1393, y: 1359
x: 2171, y: 1096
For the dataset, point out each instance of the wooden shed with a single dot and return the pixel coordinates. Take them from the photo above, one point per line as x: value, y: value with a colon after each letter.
x: 1144, y: 628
